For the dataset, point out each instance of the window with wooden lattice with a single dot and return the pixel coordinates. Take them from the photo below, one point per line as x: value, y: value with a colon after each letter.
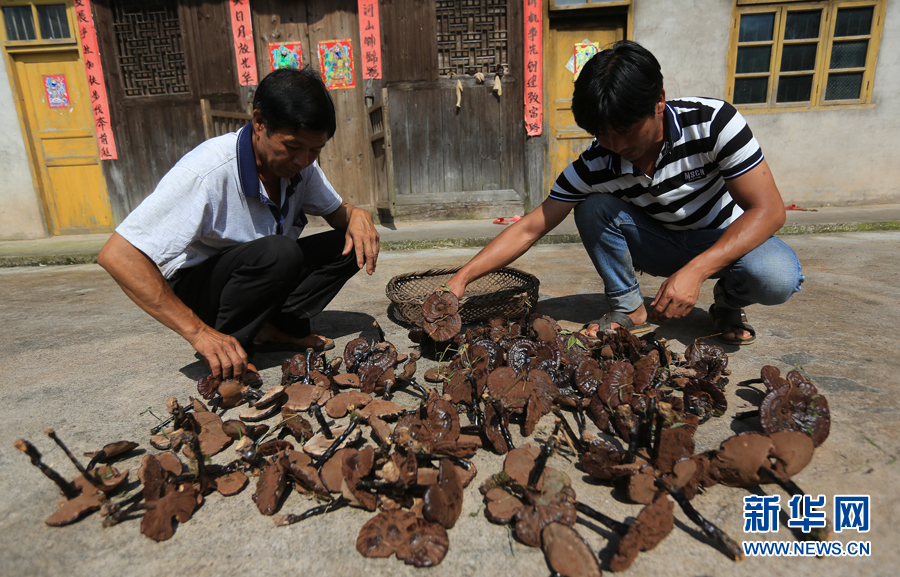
x: 149, y: 47
x: 471, y: 36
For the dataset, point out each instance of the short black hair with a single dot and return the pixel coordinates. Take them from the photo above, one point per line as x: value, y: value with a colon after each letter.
x: 295, y: 99
x: 616, y: 88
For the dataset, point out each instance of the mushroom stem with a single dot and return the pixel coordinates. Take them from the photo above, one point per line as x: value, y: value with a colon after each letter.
x: 790, y: 487
x: 175, y: 418
x: 504, y: 430
x: 101, y: 454
x: 326, y: 367
x: 317, y: 412
x: 541, y: 462
x: 307, y: 380
x: 67, y: 488
x: 609, y: 522
x: 661, y: 350
x: 580, y: 420
x: 210, y: 471
x: 198, y: 455
x: 381, y: 336
x: 386, y: 395
x: 252, y: 395
x: 747, y: 415
x: 731, y: 547
x: 510, y: 485
x: 118, y: 511
x: 363, y: 357
x: 649, y: 423
x: 415, y: 384
x: 52, y: 434
x: 390, y: 488
x: 332, y: 449
x: 465, y: 464
x: 476, y: 416
x: 632, y: 441
x: 290, y: 519
x: 576, y: 441
x: 750, y: 382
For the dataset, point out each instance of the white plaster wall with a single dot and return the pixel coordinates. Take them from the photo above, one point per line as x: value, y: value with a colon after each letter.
x: 21, y: 216
x: 829, y: 157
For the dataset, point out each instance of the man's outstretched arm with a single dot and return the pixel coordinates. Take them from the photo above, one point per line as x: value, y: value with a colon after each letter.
x: 756, y: 193
x: 511, y: 243
x: 144, y: 284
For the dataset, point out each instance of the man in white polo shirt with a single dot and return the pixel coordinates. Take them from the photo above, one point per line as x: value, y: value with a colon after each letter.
x: 214, y: 252
x: 677, y: 189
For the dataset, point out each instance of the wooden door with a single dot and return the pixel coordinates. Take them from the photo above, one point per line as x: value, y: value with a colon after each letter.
x: 567, y: 140
x: 54, y: 96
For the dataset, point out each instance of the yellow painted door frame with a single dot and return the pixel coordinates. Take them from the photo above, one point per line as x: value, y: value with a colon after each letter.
x: 56, y: 118
x: 563, y: 28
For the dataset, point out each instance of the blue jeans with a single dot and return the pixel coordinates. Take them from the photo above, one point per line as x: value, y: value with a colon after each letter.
x: 620, y: 237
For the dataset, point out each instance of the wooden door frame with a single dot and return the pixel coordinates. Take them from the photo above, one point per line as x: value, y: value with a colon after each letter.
x: 593, y: 10
x: 11, y: 49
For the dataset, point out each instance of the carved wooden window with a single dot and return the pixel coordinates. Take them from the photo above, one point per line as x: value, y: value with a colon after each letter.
x: 149, y: 46
x: 471, y: 36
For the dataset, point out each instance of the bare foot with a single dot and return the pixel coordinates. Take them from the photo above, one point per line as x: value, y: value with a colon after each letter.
x: 736, y: 333
x: 637, y: 316
x: 269, y: 334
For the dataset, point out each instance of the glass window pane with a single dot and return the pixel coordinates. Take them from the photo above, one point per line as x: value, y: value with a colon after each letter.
x: 54, y: 23
x: 844, y: 86
x: 756, y: 27
x: 753, y: 59
x: 750, y: 90
x: 854, y: 21
x: 794, y: 88
x: 849, y: 54
x: 797, y: 57
x: 19, y: 23
x: 801, y: 25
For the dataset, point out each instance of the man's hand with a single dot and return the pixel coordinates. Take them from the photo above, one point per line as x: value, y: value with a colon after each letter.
x: 512, y: 243
x: 142, y: 281
x: 362, y: 237
x: 755, y: 192
x: 456, y: 286
x: 223, y: 354
x: 677, y: 296
x: 361, y: 234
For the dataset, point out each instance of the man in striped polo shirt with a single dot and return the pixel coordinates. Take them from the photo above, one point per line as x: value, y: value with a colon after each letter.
x: 677, y: 189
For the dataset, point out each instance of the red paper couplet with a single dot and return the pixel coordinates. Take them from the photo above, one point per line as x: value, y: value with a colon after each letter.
x: 534, y: 68
x: 93, y: 68
x: 370, y: 36
x: 244, y: 52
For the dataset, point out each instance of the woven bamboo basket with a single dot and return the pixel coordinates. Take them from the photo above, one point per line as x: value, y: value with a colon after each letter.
x: 507, y: 293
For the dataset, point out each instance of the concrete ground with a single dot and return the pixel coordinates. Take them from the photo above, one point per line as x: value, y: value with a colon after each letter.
x: 83, y: 248
x: 78, y: 356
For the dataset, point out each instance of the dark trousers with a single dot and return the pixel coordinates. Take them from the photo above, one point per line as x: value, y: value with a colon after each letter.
x: 269, y: 280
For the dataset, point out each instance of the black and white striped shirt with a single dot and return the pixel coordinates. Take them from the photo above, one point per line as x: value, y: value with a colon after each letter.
x: 706, y: 142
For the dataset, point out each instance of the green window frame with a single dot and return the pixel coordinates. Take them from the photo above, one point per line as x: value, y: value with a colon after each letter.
x: 794, y: 55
